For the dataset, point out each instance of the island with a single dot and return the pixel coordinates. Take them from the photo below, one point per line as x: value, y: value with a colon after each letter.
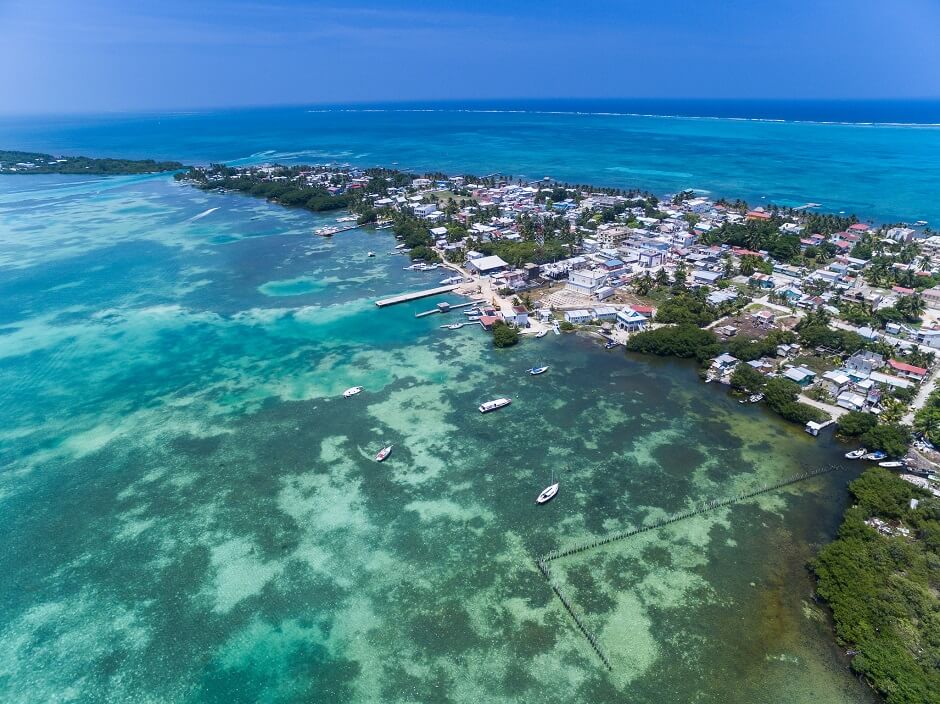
x: 822, y: 318
x: 13, y: 162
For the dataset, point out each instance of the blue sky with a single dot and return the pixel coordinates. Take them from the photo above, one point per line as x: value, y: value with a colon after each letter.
x: 114, y: 55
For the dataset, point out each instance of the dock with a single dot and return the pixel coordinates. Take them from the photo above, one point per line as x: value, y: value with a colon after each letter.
x: 415, y: 295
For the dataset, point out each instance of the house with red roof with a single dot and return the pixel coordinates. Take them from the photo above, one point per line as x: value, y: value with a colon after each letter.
x: 907, y: 371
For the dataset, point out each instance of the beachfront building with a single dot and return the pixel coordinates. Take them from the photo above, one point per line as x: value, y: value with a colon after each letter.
x: 581, y: 315
x: 631, y: 321
x: 484, y: 266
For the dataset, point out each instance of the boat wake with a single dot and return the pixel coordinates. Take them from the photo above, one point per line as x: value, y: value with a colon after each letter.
x: 203, y: 214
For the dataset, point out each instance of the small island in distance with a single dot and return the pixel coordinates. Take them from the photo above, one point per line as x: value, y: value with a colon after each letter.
x: 36, y: 163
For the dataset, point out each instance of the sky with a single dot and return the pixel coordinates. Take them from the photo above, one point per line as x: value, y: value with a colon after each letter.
x: 62, y: 56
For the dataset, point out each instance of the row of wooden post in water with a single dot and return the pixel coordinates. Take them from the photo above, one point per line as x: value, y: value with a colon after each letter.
x: 542, y: 562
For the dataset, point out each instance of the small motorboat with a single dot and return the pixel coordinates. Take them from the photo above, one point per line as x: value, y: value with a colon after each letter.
x: 548, y: 493
x: 535, y: 371
x: 371, y: 254
x: 352, y: 391
x: 488, y: 406
x: 891, y: 465
x: 876, y: 456
x: 610, y: 345
x: 856, y: 454
x: 383, y: 453
x: 754, y: 398
x: 541, y: 333
x: 453, y: 326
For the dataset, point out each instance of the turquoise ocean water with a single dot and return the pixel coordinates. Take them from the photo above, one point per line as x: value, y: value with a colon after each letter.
x: 190, y: 509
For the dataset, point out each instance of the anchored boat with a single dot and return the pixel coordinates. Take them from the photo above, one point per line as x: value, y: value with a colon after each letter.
x: 535, y: 371
x: 876, y: 456
x: 383, y: 453
x: 856, y: 454
x: 548, y: 493
x: 352, y: 391
x: 488, y: 406
x: 891, y: 465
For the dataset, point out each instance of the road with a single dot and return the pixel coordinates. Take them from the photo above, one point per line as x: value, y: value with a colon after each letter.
x: 835, y: 411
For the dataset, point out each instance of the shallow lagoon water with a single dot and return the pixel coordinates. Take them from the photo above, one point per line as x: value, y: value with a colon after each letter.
x: 191, y: 510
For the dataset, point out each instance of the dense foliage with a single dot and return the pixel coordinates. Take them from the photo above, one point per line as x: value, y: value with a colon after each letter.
x: 757, y: 235
x: 747, y: 348
x: 883, y: 590
x: 684, y: 340
x: 927, y: 419
x: 48, y: 164
x: 746, y: 378
x: 781, y: 395
x: 815, y: 333
x: 504, y: 335
x: 685, y: 309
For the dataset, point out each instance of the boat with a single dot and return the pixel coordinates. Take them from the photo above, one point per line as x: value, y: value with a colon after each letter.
x: 352, y: 391
x: 541, y: 333
x: 754, y: 398
x: 452, y: 280
x: 548, y: 493
x: 371, y: 254
x: 535, y: 371
x: 488, y: 406
x: 383, y: 453
x: 891, y: 465
x: 326, y: 231
x: 856, y: 454
x: 453, y: 326
x: 876, y: 456
x: 401, y: 246
x: 611, y: 344
x: 473, y: 318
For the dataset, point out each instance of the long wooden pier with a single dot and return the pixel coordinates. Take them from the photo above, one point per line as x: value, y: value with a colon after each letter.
x: 415, y: 295
x: 696, y: 510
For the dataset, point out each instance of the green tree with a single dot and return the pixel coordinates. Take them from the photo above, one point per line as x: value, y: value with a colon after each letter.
x: 504, y: 335
x: 892, y: 439
x: 746, y: 378
x: 855, y: 423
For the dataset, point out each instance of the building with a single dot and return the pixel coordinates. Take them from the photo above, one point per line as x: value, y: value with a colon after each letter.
x: 907, y: 371
x: 705, y: 278
x: 865, y: 362
x: 631, y: 320
x: 851, y: 400
x: 801, y: 375
x: 605, y: 313
x: 586, y: 281
x: 579, y: 316
x: 931, y: 297
x: 487, y: 265
x: 520, y: 316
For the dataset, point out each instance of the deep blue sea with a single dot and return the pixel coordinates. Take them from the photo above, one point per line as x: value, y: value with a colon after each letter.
x: 880, y: 160
x: 190, y: 510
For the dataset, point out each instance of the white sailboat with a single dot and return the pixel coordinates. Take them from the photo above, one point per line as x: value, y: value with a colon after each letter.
x: 383, y: 453
x: 549, y: 492
x: 352, y: 391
